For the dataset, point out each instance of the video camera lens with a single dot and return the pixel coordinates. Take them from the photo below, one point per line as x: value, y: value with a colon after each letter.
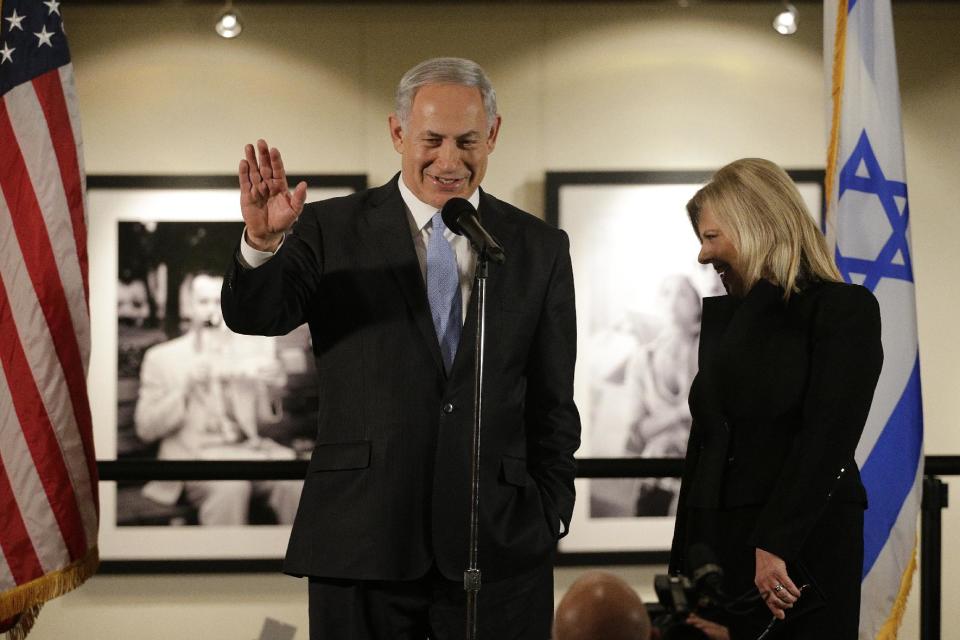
x: 679, y: 595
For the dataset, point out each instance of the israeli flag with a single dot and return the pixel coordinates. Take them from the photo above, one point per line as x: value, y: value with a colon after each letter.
x: 868, y: 211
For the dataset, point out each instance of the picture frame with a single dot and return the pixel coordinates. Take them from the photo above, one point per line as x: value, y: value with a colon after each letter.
x: 148, y: 239
x: 639, y: 288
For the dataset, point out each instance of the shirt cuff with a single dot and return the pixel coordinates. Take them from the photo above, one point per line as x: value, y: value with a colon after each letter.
x: 563, y: 528
x: 252, y: 258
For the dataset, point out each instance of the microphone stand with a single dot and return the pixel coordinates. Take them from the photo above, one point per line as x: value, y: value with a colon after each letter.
x: 471, y: 577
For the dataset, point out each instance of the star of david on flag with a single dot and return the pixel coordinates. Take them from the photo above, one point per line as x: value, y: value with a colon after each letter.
x: 867, y: 223
x: 862, y: 173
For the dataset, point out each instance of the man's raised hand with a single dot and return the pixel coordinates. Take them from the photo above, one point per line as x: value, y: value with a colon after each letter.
x: 267, y: 205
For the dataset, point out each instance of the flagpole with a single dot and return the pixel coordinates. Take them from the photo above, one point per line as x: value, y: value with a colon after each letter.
x: 833, y: 150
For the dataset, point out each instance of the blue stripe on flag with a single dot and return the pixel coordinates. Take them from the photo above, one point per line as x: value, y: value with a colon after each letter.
x: 892, y: 465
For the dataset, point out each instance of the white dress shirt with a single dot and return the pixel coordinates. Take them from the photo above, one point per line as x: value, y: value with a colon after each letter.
x: 419, y: 215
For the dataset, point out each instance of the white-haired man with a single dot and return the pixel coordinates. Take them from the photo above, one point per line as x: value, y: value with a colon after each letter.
x: 382, y: 528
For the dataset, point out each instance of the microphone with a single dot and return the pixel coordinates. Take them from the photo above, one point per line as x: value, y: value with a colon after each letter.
x: 461, y: 218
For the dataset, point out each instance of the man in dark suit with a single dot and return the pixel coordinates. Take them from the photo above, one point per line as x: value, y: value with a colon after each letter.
x: 383, y: 525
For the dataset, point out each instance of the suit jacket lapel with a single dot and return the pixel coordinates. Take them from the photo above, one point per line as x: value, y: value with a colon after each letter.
x: 756, y: 314
x: 389, y: 233
x: 716, y: 316
x: 727, y: 322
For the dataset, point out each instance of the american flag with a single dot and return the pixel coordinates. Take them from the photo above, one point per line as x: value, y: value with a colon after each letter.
x: 48, y: 474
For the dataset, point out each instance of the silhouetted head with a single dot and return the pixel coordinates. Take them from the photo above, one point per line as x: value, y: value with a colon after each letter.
x: 601, y: 605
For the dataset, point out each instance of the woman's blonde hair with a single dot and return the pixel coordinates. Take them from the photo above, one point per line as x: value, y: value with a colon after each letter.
x: 758, y: 204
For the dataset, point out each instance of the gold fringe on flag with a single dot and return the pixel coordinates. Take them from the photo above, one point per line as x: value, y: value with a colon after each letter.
x: 890, y: 628
x: 24, y: 623
x: 26, y: 599
x: 836, y: 93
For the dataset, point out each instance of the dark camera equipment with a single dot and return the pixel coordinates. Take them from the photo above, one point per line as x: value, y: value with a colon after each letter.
x: 702, y: 593
x: 680, y: 595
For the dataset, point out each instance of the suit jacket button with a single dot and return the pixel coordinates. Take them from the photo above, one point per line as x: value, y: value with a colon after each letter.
x: 448, y: 408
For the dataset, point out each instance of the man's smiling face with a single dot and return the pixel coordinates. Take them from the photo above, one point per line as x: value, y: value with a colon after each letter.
x: 445, y: 144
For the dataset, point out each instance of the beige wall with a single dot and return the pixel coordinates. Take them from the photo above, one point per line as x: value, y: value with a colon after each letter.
x: 581, y: 88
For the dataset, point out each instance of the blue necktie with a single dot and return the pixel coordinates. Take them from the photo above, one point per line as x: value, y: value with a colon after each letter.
x: 443, y: 291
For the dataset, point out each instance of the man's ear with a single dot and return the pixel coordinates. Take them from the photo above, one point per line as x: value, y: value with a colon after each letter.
x: 396, y: 132
x: 494, y: 131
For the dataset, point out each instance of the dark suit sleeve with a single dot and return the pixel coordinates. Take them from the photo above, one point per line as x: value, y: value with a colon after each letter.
x: 678, y: 547
x: 272, y: 299
x: 845, y: 365
x: 552, y: 420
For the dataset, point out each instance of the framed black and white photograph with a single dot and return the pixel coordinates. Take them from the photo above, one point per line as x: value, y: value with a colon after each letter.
x: 169, y: 381
x: 639, y: 289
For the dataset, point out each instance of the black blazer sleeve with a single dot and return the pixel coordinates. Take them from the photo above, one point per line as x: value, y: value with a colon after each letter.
x: 845, y: 361
x: 678, y: 547
x: 272, y: 299
x: 553, y: 423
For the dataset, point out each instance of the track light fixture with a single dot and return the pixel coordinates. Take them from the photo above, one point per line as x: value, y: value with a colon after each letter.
x: 786, y: 21
x: 228, y: 24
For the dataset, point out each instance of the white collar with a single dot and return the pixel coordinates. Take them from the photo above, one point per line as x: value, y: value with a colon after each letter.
x: 423, y: 212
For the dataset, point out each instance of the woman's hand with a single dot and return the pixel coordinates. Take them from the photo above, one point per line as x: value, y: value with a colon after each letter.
x: 774, y: 584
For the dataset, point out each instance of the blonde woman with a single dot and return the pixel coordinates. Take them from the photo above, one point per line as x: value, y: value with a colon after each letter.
x: 789, y: 360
